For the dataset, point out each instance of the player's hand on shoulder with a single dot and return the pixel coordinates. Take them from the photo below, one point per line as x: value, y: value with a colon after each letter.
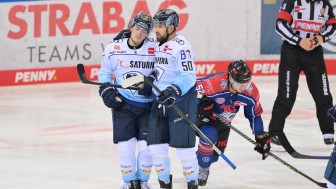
x: 263, y: 145
x: 126, y: 33
x: 169, y: 95
x: 110, y: 95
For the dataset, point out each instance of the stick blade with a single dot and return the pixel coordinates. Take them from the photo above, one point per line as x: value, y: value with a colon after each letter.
x: 81, y: 72
x: 132, y: 80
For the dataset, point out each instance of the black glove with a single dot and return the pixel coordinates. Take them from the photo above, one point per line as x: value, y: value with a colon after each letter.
x: 205, y: 107
x: 169, y: 95
x: 205, y: 112
x: 123, y: 34
x: 264, y: 145
x: 332, y: 113
x: 146, y: 90
x: 110, y: 96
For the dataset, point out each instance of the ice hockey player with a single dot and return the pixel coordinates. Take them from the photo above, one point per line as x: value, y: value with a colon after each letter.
x: 175, y: 76
x: 220, y: 97
x: 330, y: 172
x: 125, y: 58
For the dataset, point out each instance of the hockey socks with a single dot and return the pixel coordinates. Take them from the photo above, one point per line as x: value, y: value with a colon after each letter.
x: 161, y: 161
x: 145, y: 161
x: 127, y: 160
x: 189, y: 163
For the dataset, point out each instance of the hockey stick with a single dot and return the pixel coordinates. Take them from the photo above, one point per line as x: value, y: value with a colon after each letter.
x: 288, y: 147
x: 323, y: 185
x: 136, y: 79
x: 82, y: 77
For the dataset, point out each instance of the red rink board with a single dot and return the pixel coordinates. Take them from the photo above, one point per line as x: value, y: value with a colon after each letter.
x: 69, y: 74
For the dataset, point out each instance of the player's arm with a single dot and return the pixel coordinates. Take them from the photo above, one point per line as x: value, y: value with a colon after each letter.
x: 107, y: 67
x: 253, y: 112
x: 283, y: 21
x: 330, y: 30
x: 186, y: 68
x: 110, y: 95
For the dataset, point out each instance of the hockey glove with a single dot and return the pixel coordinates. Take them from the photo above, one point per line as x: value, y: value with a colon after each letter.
x: 332, y: 113
x: 169, y: 95
x: 263, y: 145
x: 205, y: 112
x: 123, y: 34
x: 110, y: 96
x: 146, y: 90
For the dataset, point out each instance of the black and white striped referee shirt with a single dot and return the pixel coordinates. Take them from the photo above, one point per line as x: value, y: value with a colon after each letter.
x: 299, y: 19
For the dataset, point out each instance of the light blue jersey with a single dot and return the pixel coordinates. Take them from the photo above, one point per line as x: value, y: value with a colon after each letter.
x: 121, y: 62
x: 174, y: 64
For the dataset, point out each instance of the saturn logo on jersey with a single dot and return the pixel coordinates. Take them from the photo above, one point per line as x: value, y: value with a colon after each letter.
x: 122, y: 65
x: 142, y: 64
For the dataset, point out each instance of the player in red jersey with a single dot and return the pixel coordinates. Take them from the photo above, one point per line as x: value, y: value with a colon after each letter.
x: 220, y: 97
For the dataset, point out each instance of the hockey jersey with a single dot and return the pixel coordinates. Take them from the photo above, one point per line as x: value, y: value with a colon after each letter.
x: 226, y: 104
x: 174, y: 64
x: 122, y: 62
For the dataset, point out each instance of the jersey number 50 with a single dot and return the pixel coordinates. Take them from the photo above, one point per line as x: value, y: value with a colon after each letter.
x: 187, y: 66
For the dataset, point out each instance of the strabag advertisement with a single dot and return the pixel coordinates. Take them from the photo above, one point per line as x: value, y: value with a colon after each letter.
x: 43, y: 41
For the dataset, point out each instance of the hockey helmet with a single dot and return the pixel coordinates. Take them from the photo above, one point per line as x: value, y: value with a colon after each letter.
x: 167, y: 16
x: 239, y: 71
x: 142, y: 20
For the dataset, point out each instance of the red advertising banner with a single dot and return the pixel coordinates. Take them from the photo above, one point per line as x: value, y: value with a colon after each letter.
x: 69, y: 74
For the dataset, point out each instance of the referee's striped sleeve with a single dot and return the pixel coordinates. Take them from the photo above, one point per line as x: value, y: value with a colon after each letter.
x: 329, y: 33
x: 285, y: 31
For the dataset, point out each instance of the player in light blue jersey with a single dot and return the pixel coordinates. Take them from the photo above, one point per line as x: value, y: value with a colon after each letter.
x: 175, y: 75
x: 122, y: 59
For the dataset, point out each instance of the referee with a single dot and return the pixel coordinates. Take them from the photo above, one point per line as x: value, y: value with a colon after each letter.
x: 304, y: 25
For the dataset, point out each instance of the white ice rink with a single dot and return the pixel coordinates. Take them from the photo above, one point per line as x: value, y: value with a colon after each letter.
x: 59, y: 136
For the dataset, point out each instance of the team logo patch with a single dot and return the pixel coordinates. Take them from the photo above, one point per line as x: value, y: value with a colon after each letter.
x: 205, y: 159
x: 167, y: 48
x: 322, y: 11
x: 117, y: 47
x: 188, y: 172
x: 150, y: 50
x: 220, y: 100
x: 238, y: 103
x: 299, y: 9
x: 223, y: 84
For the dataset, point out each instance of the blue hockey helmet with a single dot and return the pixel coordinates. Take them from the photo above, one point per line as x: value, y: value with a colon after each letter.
x: 167, y: 16
x: 142, y: 20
